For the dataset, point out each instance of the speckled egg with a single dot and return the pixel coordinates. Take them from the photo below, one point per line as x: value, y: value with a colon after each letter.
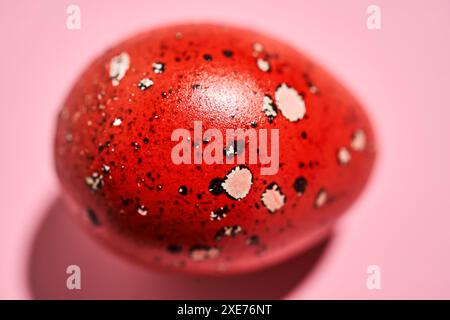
x: 210, y: 149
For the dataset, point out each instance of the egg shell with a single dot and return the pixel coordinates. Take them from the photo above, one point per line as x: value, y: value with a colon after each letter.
x: 113, y: 149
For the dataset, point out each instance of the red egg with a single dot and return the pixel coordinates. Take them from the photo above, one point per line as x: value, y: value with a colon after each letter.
x: 144, y: 149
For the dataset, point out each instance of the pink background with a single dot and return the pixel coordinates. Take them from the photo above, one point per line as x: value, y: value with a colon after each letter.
x: 401, y: 223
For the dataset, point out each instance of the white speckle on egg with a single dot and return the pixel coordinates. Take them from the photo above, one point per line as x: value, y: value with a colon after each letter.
x: 290, y: 103
x: 313, y: 89
x: 321, y: 198
x: 142, y: 210
x: 269, y: 108
x: 118, y: 68
x: 228, y: 231
x: 272, y: 198
x: 263, y: 65
x: 117, y: 122
x: 358, y: 140
x: 238, y: 182
x: 158, y: 67
x: 106, y: 168
x: 343, y: 156
x: 145, y: 83
x: 200, y: 253
x: 258, y: 47
x: 95, y: 181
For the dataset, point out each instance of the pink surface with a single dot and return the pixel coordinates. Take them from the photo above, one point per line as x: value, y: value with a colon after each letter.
x: 401, y: 73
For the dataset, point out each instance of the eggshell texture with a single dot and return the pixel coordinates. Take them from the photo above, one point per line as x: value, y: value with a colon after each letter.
x: 113, y: 149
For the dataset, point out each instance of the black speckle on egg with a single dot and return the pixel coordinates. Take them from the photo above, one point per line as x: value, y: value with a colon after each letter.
x: 92, y: 216
x: 227, y: 53
x: 173, y: 248
x: 207, y: 57
x: 183, y: 190
x: 253, y: 240
x: 215, y: 186
x: 300, y: 185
